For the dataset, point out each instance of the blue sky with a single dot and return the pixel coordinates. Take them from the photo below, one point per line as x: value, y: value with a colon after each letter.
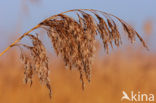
x: 14, y: 22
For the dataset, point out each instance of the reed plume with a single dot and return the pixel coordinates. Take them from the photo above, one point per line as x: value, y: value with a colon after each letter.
x: 74, y: 40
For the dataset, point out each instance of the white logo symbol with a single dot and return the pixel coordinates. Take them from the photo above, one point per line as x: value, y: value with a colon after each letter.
x: 137, y: 97
x: 125, y: 96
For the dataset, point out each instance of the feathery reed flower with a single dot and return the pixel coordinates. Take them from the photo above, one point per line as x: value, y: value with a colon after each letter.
x: 74, y: 40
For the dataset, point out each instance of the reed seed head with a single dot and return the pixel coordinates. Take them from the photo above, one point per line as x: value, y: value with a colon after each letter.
x: 74, y: 40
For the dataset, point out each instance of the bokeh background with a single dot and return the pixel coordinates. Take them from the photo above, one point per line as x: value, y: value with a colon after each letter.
x: 129, y: 68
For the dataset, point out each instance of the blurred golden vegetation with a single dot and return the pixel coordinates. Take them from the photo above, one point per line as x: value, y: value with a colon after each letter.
x: 111, y: 74
x: 148, y: 27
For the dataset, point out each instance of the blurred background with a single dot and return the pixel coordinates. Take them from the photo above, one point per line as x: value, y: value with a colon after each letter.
x: 129, y: 68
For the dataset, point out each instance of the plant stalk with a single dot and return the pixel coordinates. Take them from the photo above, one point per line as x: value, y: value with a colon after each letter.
x: 19, y: 39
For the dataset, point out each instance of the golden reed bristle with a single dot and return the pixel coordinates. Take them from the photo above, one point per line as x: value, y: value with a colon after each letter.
x: 74, y: 40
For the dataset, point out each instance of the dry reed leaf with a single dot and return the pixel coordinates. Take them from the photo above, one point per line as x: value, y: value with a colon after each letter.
x: 74, y: 40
